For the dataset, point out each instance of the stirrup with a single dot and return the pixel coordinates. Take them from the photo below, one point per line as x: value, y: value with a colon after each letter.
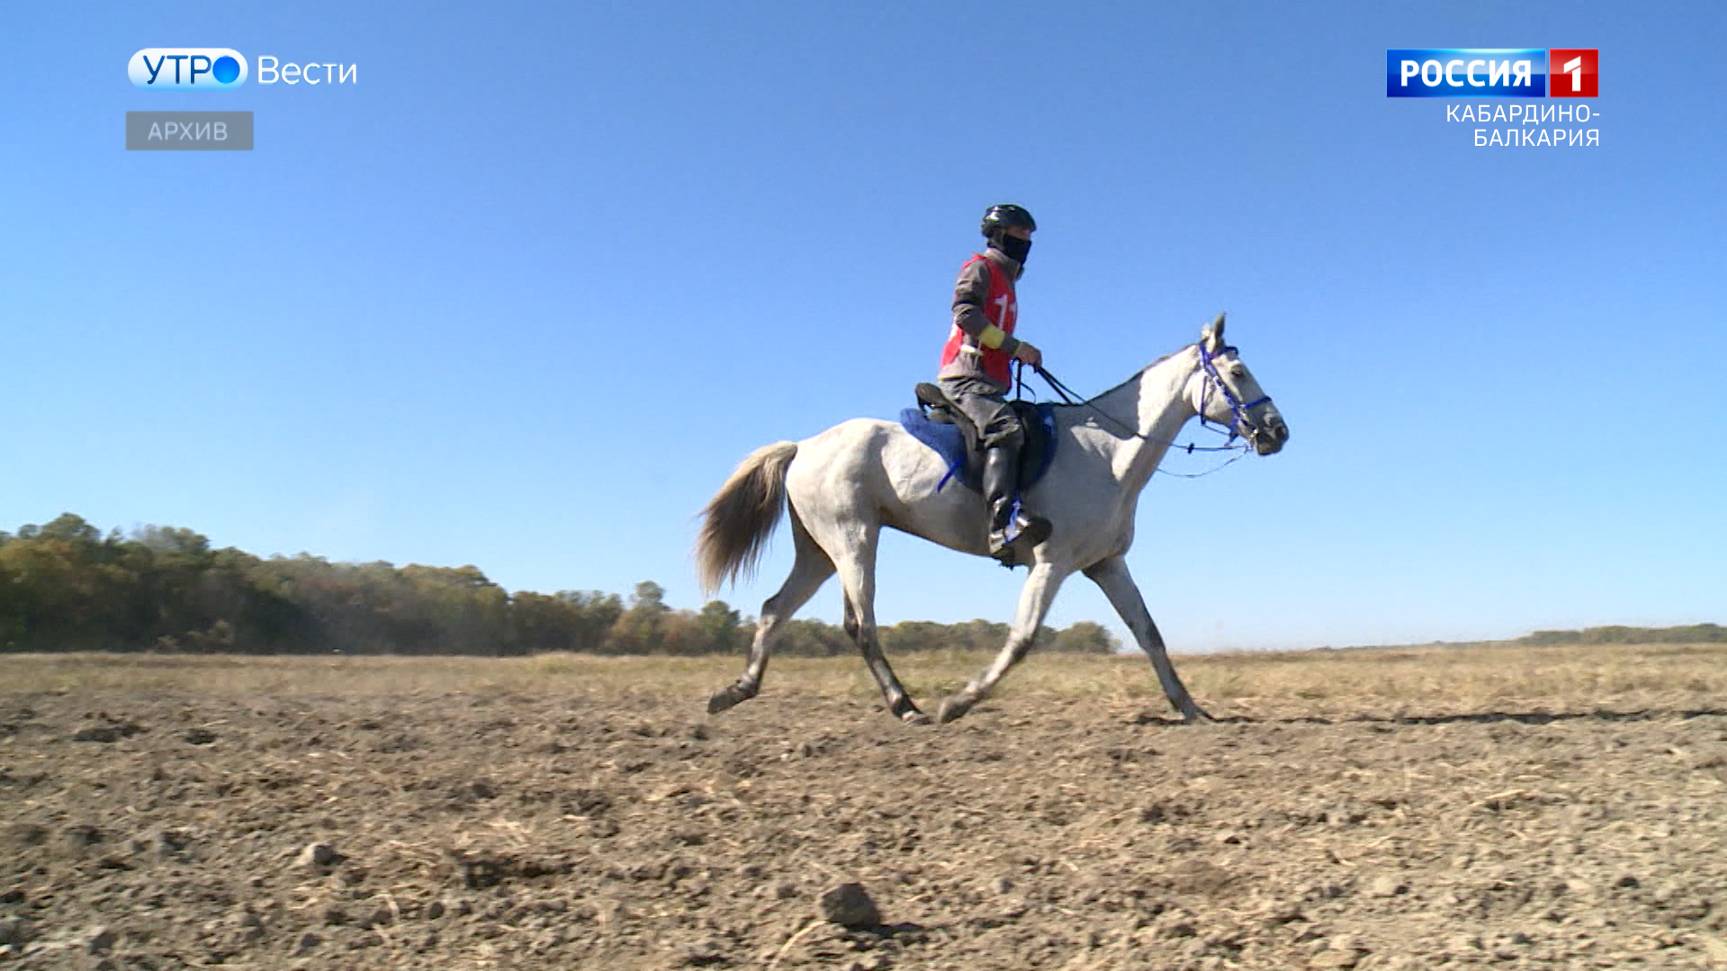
x: 1007, y: 543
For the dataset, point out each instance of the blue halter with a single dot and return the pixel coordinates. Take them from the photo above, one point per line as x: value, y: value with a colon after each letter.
x: 1242, y: 421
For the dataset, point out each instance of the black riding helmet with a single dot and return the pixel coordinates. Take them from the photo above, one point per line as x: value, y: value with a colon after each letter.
x: 999, y: 218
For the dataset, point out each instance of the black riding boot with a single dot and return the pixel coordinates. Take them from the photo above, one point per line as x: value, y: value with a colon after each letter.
x: 1011, y: 536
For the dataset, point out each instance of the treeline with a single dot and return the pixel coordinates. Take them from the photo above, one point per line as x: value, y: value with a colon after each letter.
x: 65, y: 586
x: 1689, y: 634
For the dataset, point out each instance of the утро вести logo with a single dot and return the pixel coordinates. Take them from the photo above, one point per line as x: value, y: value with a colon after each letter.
x: 223, y: 69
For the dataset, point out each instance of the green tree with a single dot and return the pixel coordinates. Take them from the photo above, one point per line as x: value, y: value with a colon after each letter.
x: 813, y: 638
x: 640, y: 629
x: 1084, y: 637
x: 66, y: 586
x: 596, y: 614
x: 649, y: 597
x: 720, y: 629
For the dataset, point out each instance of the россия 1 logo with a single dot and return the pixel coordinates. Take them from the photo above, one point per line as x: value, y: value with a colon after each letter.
x: 1506, y: 91
x: 1469, y: 72
x: 188, y: 68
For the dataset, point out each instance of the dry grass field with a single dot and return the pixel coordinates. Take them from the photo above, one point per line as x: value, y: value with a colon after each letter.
x: 1445, y: 807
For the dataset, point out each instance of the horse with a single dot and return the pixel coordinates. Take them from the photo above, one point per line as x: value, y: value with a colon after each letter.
x: 843, y: 485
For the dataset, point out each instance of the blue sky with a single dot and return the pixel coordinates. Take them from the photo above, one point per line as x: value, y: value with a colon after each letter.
x: 525, y: 294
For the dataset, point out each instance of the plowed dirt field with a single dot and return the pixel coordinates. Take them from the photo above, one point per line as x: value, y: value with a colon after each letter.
x: 1423, y: 808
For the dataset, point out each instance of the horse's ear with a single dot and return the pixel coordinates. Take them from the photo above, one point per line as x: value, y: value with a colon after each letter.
x: 1212, y: 335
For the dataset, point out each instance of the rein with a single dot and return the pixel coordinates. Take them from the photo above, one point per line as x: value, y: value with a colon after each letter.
x: 1239, y: 410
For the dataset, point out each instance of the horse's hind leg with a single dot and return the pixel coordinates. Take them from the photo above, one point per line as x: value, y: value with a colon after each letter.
x: 899, y: 702
x: 856, y: 562
x: 810, y: 570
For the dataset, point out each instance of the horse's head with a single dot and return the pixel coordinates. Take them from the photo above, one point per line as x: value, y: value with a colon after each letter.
x: 1224, y: 391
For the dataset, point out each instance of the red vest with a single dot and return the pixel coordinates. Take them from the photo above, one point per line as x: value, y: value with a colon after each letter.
x: 1002, y: 310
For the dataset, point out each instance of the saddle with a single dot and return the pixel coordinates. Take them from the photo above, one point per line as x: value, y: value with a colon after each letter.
x: 938, y: 423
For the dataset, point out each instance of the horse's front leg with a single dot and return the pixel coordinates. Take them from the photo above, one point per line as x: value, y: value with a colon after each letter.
x: 1034, y: 600
x: 1123, y: 594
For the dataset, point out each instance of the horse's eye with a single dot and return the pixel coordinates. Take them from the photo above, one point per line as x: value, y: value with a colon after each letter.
x: 1236, y: 372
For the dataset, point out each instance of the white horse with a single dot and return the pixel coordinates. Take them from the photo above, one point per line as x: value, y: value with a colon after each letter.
x: 848, y: 482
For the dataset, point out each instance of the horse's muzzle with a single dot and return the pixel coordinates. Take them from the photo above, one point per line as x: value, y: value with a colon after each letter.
x: 1269, y: 438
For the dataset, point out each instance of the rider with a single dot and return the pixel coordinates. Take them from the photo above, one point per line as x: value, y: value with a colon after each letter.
x: 975, y: 371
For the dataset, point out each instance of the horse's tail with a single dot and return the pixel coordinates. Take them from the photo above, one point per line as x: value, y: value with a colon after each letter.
x: 740, y: 517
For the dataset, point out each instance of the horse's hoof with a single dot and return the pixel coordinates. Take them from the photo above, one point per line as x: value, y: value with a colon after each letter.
x: 726, y: 697
x: 953, y: 707
x: 906, y: 710
x: 1195, y: 715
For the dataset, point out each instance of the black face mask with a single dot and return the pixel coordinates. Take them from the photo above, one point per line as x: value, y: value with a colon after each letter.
x: 1016, y: 249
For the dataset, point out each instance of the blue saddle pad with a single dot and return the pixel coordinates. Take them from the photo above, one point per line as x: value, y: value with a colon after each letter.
x: 950, y: 445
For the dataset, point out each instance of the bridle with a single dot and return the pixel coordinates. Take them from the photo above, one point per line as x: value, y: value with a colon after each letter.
x: 1243, y: 424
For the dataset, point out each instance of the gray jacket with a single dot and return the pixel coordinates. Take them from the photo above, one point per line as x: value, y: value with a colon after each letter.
x: 970, y: 293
